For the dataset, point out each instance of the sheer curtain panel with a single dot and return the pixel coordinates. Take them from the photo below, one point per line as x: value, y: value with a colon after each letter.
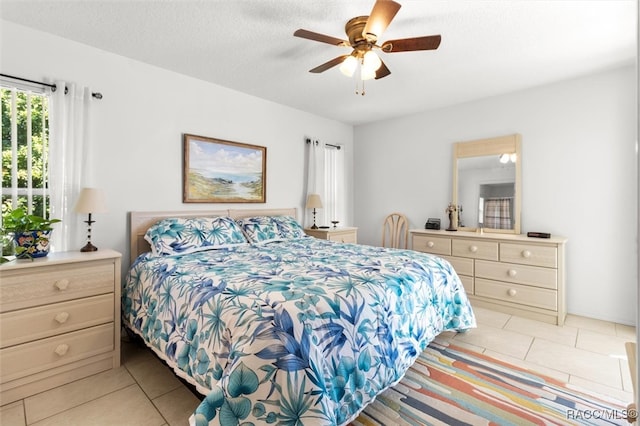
x: 315, y: 181
x: 68, y: 159
x: 334, y: 184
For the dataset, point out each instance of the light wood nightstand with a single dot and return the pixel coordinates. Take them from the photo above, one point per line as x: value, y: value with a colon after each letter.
x: 341, y: 234
x: 60, y: 318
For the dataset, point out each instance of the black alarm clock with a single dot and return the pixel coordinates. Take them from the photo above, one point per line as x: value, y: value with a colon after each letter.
x: 432, y: 224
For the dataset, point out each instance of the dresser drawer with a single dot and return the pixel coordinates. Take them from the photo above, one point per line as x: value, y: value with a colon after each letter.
x: 475, y: 249
x: 38, y: 286
x: 29, y: 358
x: 462, y: 265
x: 467, y: 283
x: 529, y: 254
x: 515, y: 273
x: 344, y: 237
x: 432, y: 244
x: 44, y: 321
x: 516, y: 293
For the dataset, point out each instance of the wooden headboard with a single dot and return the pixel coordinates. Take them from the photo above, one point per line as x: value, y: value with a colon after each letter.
x: 141, y: 221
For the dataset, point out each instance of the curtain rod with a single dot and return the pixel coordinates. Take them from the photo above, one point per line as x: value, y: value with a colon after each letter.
x: 53, y: 87
x: 338, y: 147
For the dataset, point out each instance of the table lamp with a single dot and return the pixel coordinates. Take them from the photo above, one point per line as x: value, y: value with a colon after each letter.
x: 314, y: 202
x: 91, y: 201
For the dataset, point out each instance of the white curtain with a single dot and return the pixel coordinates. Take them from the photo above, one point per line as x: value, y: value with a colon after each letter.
x: 315, y: 181
x: 334, y: 184
x: 68, y: 162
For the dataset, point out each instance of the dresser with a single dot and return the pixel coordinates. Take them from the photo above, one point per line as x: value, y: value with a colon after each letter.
x: 341, y: 235
x: 510, y: 273
x: 60, y: 318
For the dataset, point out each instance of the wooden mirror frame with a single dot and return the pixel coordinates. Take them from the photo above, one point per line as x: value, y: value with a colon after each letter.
x: 491, y: 146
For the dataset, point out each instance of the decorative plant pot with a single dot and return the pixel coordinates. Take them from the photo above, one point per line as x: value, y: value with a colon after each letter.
x: 31, y: 244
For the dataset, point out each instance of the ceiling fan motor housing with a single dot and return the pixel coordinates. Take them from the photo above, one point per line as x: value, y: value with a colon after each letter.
x: 354, y: 29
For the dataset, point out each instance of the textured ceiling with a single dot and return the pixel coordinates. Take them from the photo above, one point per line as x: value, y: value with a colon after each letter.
x: 488, y: 47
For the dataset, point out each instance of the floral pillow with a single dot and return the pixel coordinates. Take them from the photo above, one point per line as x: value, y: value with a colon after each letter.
x: 259, y: 229
x: 288, y: 227
x: 187, y: 235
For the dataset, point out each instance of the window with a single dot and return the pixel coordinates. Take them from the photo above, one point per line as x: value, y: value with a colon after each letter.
x: 25, y: 137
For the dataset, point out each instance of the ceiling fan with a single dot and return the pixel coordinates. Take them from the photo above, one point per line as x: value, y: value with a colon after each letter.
x: 363, y: 33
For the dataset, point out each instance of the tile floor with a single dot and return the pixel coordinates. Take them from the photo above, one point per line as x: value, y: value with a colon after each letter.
x: 585, y: 352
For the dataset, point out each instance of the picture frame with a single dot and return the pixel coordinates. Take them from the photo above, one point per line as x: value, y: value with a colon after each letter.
x: 221, y: 171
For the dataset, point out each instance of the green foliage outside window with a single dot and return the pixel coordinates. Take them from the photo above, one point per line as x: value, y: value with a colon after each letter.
x: 39, y: 138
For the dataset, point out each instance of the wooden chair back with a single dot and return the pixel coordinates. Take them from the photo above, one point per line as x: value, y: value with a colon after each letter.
x: 395, y: 231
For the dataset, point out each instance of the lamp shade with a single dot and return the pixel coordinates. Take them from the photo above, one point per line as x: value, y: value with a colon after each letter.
x: 314, y: 202
x: 91, y: 200
x: 371, y: 61
x: 349, y: 66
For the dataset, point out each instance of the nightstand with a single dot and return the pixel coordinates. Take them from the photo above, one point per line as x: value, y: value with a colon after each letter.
x: 341, y: 235
x: 60, y: 318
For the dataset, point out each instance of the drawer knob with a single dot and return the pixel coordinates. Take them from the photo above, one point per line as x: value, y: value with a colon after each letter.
x: 526, y: 254
x: 62, y: 349
x: 512, y: 272
x: 62, y: 284
x: 473, y: 249
x: 430, y: 244
x: 511, y: 292
x: 62, y: 317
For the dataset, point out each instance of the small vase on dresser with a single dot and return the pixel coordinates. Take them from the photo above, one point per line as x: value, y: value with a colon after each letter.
x: 510, y: 273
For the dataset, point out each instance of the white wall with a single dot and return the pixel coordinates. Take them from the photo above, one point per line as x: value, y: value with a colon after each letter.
x: 579, y: 158
x: 137, y: 128
x: 579, y: 176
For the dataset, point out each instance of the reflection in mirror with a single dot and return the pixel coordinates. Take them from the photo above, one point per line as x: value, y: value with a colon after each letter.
x: 486, y: 193
x: 486, y: 184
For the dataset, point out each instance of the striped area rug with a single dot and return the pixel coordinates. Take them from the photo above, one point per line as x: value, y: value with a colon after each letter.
x: 450, y: 385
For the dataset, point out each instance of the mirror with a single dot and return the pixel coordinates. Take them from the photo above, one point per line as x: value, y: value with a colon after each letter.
x: 487, y: 184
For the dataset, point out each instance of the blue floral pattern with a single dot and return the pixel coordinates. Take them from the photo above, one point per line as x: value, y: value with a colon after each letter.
x: 288, y: 227
x: 302, y: 332
x: 259, y: 229
x: 188, y: 235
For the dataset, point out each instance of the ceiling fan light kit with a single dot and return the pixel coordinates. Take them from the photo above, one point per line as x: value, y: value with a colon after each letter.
x: 363, y: 33
x: 349, y: 66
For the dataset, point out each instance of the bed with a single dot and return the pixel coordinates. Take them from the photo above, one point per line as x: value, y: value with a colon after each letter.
x: 275, y: 327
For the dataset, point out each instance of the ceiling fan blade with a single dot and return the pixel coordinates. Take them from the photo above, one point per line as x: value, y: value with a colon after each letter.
x: 320, y: 37
x: 411, y: 44
x: 330, y: 64
x: 381, y: 16
x: 383, y: 71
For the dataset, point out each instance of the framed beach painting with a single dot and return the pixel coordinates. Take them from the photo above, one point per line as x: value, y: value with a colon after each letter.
x: 219, y: 171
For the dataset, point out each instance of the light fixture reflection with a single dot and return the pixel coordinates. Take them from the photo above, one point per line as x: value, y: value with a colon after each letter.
x: 505, y: 158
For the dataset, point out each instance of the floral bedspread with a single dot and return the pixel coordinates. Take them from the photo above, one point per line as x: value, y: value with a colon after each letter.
x: 303, y: 332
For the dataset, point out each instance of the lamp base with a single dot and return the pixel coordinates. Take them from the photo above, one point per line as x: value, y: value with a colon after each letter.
x: 88, y: 248
x: 314, y: 226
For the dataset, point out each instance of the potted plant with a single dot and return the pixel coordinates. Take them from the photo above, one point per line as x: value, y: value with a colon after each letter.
x: 31, y: 233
